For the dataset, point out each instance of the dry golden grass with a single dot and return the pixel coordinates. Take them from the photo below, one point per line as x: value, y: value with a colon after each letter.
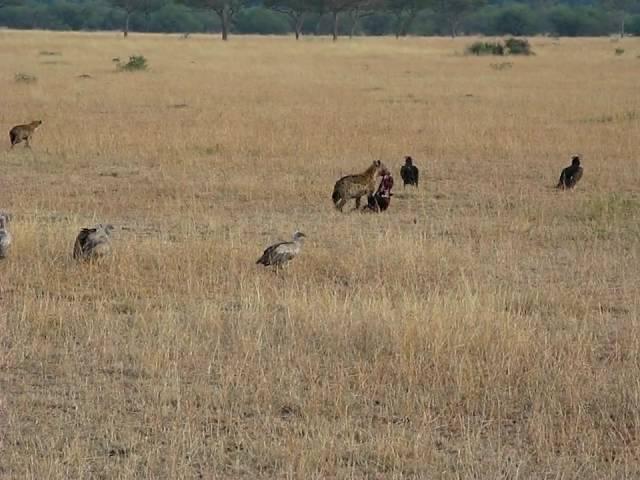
x: 485, y: 327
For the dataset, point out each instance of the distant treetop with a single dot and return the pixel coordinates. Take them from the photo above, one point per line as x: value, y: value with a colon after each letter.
x: 329, y: 17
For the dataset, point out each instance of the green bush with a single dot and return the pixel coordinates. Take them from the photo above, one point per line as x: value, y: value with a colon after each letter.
x: 511, y: 46
x: 518, y: 46
x: 485, y: 48
x: 135, y: 63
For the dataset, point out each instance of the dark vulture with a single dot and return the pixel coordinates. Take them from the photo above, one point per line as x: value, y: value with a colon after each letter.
x: 571, y: 175
x: 409, y: 172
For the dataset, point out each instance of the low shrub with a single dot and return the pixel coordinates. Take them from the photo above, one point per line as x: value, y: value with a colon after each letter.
x: 485, y: 48
x: 135, y: 63
x: 511, y: 46
x: 518, y: 46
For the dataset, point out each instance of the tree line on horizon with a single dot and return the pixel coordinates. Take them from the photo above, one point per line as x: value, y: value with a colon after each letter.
x: 333, y: 17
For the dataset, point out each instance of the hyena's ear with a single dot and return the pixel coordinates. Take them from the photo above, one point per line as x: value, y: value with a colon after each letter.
x: 377, y: 163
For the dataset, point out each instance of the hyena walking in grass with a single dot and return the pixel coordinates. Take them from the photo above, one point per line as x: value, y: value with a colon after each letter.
x: 355, y: 186
x: 21, y: 133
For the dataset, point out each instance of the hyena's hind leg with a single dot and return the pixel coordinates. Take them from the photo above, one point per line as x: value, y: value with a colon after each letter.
x: 340, y: 204
x: 358, y: 203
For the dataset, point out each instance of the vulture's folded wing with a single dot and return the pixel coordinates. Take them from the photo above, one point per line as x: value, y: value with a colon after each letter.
x: 267, y: 255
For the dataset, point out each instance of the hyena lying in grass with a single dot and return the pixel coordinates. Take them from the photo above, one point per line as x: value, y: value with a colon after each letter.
x: 23, y: 132
x: 355, y: 186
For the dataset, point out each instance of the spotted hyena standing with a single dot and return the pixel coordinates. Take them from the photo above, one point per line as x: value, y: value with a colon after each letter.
x: 21, y: 133
x: 355, y: 186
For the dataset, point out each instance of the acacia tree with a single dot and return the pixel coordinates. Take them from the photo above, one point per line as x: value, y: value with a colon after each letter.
x: 404, y: 13
x: 335, y: 8
x: 132, y: 6
x: 295, y: 10
x: 454, y: 11
x: 362, y: 9
x: 227, y: 10
x: 619, y: 9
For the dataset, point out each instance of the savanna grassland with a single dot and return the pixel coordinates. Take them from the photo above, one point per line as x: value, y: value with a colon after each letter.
x: 485, y: 327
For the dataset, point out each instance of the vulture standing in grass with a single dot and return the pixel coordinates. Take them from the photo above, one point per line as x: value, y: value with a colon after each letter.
x: 93, y: 242
x: 5, y: 236
x: 409, y: 172
x: 571, y: 175
x: 280, y: 253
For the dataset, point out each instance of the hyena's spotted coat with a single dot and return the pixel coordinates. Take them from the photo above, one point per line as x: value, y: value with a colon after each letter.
x: 355, y: 186
x: 21, y: 133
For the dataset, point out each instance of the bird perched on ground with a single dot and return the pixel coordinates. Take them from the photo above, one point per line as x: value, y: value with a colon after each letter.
x: 280, y: 253
x: 409, y: 172
x: 93, y: 242
x: 571, y: 175
x: 5, y: 236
